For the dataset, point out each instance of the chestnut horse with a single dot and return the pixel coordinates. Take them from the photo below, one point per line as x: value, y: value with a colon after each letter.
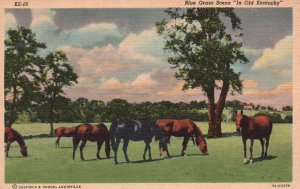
x: 11, y: 135
x: 182, y: 128
x: 95, y: 133
x: 259, y: 127
x: 135, y: 130
x: 63, y: 132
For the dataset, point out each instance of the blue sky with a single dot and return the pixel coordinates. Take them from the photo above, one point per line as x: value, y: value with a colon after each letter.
x: 118, y: 54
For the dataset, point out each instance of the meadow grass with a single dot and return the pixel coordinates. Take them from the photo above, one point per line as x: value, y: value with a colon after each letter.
x: 47, y: 164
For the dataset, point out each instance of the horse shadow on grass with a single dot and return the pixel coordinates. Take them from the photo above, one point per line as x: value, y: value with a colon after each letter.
x: 259, y: 159
x: 65, y: 147
x: 95, y: 159
x: 147, y: 161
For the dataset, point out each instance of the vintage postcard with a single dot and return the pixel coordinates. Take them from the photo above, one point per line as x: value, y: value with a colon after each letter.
x: 150, y: 94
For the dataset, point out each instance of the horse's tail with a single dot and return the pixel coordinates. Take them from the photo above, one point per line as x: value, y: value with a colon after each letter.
x: 55, y: 132
x: 112, y: 133
x: 271, y: 126
x: 107, y: 141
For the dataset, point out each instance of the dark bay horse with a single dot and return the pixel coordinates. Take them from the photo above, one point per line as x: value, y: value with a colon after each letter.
x: 63, y: 132
x: 258, y: 127
x: 135, y: 130
x: 11, y: 135
x: 94, y: 133
x: 182, y: 128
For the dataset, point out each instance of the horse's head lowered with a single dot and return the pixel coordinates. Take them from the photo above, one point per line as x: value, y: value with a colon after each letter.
x: 23, y: 151
x: 160, y: 137
x: 201, y: 142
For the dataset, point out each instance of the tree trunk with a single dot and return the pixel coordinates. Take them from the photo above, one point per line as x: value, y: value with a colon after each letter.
x: 211, y: 114
x: 220, y: 107
x: 51, y: 117
x: 13, y: 107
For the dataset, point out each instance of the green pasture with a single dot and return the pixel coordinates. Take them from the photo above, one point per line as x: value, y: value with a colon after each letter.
x: 47, y: 164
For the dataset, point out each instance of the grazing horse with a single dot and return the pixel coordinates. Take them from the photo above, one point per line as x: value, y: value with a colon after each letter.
x: 135, y: 130
x: 95, y: 133
x: 259, y: 127
x: 182, y: 128
x: 11, y: 135
x: 63, y: 132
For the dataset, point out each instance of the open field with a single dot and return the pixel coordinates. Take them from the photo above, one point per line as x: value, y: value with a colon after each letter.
x: 47, y: 164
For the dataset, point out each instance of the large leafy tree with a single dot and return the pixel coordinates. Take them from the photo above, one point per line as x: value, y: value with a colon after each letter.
x: 21, y: 71
x: 56, y: 74
x: 202, y: 52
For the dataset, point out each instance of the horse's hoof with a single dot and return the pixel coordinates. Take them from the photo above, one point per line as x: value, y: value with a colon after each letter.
x: 251, y: 161
x: 245, y: 160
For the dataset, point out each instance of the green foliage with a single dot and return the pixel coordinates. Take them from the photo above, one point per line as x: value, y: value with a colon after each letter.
x: 200, y: 50
x: 277, y: 117
x: 32, y: 81
x: 22, y: 64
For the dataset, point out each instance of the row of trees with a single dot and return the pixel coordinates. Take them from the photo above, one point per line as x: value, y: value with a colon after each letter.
x: 95, y: 111
x: 30, y: 79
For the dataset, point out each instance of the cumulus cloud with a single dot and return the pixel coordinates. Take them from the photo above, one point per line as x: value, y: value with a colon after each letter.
x: 278, y: 58
x: 42, y: 17
x: 87, y: 36
x: 278, y: 97
x: 10, y: 21
x: 250, y: 83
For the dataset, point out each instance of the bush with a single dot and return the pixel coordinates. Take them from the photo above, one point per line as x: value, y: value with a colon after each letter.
x: 276, y: 117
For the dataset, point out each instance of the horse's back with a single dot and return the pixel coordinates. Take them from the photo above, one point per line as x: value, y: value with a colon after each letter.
x: 11, y: 135
x: 131, y: 129
x: 176, y: 127
x: 263, y: 124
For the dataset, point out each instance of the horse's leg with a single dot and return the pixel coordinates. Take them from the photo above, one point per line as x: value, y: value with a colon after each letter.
x: 57, y: 142
x: 267, y: 145
x: 167, y: 150
x: 7, y: 145
x: 147, y: 147
x: 184, y: 145
x: 75, y: 144
x: 262, y: 146
x: 245, y: 149
x: 125, y: 146
x: 144, y: 156
x: 81, y: 148
x: 116, y: 149
x: 99, y: 144
x: 251, y: 150
x: 107, y: 148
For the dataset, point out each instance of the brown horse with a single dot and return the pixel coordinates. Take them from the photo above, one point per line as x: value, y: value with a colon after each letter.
x: 182, y: 128
x: 63, y: 132
x: 11, y: 135
x: 259, y: 127
x: 95, y: 133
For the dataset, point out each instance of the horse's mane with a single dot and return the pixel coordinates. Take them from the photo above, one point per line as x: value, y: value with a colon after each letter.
x: 245, y: 120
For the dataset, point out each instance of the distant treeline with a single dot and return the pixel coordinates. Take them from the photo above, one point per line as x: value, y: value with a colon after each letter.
x: 93, y: 111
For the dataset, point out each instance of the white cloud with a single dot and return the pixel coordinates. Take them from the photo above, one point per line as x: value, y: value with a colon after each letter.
x: 10, y: 21
x: 276, y: 59
x: 42, y: 17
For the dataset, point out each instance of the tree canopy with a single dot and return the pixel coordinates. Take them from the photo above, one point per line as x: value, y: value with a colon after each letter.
x: 202, y: 53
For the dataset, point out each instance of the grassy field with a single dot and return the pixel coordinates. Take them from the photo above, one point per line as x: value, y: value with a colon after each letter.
x: 47, y: 164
